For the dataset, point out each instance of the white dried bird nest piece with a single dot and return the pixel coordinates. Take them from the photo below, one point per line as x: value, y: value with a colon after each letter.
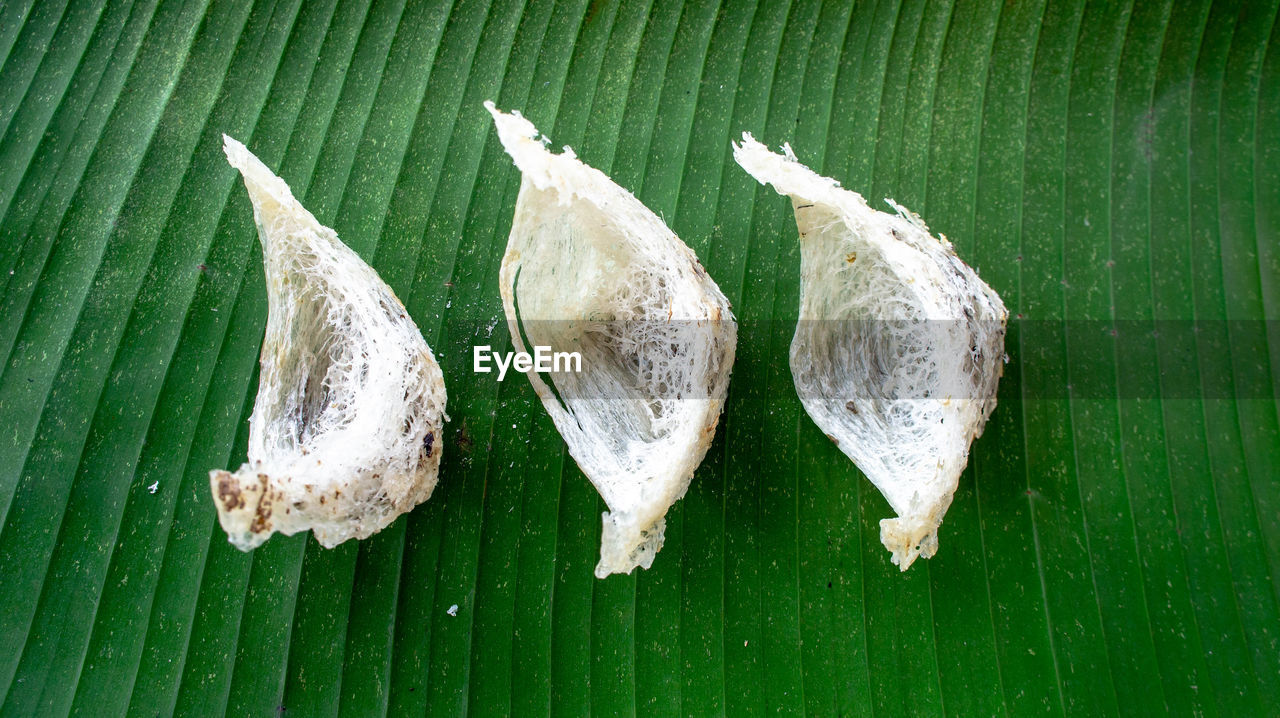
x: 345, y: 432
x: 898, y: 348
x: 590, y: 269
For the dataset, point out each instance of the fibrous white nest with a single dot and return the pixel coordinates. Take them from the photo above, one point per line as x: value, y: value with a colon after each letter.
x: 589, y: 269
x: 345, y: 432
x: 898, y: 348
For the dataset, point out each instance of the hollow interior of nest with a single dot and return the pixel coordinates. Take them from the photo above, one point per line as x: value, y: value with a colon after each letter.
x: 591, y: 288
x: 868, y: 359
x: 345, y: 399
x: 635, y: 414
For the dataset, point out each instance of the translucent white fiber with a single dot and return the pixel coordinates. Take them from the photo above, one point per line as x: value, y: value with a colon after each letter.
x: 898, y: 348
x: 588, y: 268
x: 345, y: 432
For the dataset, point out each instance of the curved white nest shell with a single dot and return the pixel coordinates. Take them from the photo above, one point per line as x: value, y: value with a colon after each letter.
x: 590, y: 269
x: 898, y: 348
x: 345, y: 432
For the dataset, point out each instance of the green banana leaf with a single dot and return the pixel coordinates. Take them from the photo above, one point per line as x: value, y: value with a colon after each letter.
x: 1112, y: 169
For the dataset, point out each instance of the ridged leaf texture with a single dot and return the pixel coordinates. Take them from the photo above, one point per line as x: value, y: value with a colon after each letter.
x: 1111, y: 169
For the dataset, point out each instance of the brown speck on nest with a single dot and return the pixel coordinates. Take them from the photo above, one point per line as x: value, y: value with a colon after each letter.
x: 229, y: 492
